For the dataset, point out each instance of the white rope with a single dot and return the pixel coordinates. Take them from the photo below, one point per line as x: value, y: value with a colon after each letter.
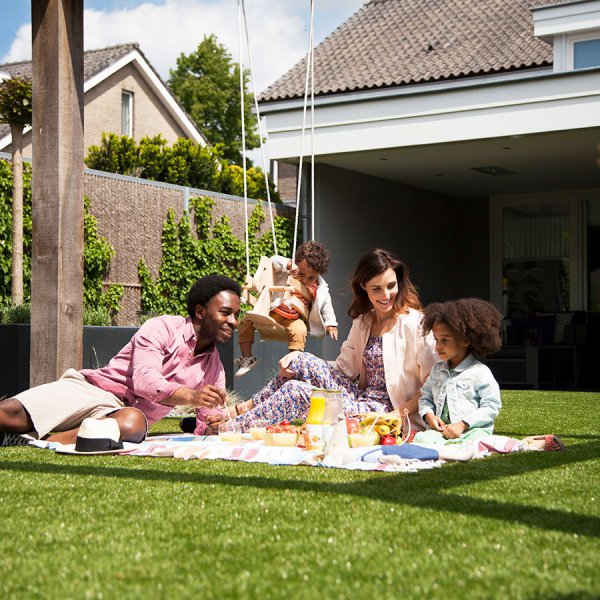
x: 242, y: 102
x: 309, y: 60
x: 312, y: 123
x: 262, y: 146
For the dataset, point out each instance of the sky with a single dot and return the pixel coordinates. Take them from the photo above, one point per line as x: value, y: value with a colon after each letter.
x: 278, y: 29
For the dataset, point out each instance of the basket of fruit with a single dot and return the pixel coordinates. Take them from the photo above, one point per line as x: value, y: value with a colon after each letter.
x: 372, y: 429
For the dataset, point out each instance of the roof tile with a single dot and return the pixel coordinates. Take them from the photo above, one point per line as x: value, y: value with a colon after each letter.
x: 399, y: 42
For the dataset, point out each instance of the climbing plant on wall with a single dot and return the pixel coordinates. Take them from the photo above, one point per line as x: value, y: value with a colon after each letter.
x: 98, y: 252
x: 195, y: 246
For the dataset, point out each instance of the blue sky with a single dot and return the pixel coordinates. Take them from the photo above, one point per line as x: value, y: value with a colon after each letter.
x: 166, y: 28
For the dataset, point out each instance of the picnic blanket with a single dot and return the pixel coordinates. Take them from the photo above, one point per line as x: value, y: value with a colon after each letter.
x: 188, y: 447
x: 405, y: 458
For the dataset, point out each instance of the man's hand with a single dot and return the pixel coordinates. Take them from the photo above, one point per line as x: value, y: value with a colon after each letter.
x: 332, y: 332
x: 434, y: 422
x: 209, y: 396
x: 454, y: 430
x: 285, y: 362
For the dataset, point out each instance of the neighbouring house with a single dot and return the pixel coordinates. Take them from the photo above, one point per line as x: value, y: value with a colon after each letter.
x: 123, y: 94
x: 465, y: 136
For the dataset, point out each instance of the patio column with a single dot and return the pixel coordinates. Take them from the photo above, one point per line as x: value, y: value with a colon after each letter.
x: 57, y: 188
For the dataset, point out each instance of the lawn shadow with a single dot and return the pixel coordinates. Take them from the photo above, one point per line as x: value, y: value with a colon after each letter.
x: 430, y: 489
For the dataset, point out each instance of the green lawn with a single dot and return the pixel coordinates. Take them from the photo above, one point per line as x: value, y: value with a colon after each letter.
x: 520, y: 526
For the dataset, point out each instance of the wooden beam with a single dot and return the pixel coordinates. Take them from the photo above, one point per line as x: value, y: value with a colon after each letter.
x: 57, y: 186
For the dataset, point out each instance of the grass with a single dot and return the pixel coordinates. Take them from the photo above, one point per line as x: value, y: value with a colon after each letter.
x: 519, y: 526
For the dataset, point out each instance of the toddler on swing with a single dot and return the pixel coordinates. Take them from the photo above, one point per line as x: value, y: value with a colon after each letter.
x: 310, y: 262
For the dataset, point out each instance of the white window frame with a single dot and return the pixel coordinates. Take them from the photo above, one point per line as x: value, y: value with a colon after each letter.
x: 127, y: 101
x: 574, y: 39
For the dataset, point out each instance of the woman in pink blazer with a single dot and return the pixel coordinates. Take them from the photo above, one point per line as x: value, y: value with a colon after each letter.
x: 382, y: 364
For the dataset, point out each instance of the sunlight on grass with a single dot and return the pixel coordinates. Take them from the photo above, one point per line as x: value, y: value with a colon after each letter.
x: 521, y: 526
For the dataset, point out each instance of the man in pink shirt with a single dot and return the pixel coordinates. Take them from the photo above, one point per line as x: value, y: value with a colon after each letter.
x: 170, y: 361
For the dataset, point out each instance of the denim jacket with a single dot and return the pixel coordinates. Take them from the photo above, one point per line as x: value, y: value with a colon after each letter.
x: 472, y: 393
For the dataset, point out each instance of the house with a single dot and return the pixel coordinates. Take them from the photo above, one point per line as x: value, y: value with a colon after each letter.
x: 123, y: 94
x: 465, y: 136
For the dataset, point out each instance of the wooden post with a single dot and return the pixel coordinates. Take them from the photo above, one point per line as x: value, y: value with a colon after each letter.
x: 57, y: 186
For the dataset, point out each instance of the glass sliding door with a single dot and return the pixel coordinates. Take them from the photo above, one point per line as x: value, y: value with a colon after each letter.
x: 593, y: 255
x: 535, y: 259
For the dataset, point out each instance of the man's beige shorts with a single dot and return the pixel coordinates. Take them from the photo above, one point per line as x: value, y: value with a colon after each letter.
x: 63, y: 404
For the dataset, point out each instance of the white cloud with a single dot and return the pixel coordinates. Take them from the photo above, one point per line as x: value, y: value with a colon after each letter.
x: 20, y: 49
x: 278, y: 36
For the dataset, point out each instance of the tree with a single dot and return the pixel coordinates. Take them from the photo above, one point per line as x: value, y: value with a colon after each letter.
x: 15, y: 109
x: 184, y: 163
x: 207, y: 84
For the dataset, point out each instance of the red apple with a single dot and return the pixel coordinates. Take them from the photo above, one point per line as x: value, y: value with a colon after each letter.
x: 387, y: 440
x: 352, y: 426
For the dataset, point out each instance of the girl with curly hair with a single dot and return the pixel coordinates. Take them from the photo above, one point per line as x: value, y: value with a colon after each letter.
x: 461, y: 397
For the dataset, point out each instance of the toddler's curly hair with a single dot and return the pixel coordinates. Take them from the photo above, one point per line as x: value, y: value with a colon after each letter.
x: 474, y: 319
x: 315, y: 254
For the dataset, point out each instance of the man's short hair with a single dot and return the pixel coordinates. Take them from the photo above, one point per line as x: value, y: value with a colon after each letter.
x: 207, y: 287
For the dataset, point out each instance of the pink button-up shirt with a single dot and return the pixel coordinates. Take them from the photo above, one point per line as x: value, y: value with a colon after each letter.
x: 158, y: 360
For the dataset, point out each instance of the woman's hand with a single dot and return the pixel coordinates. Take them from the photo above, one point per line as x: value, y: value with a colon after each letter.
x: 454, y: 430
x: 434, y: 422
x: 332, y: 332
x: 285, y: 362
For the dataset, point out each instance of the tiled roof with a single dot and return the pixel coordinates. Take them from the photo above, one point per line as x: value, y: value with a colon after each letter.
x: 94, y: 61
x: 398, y: 42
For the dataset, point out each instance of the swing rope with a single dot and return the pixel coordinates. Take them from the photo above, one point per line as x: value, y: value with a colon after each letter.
x: 260, y: 134
x: 242, y: 106
x: 309, y: 69
x: 243, y: 24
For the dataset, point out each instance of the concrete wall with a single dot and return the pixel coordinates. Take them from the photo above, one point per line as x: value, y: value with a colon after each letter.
x: 443, y: 240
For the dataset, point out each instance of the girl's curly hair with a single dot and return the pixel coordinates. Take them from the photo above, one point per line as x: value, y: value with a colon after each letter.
x: 474, y: 319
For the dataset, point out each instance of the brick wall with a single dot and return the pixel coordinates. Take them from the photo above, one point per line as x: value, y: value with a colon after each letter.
x: 131, y: 214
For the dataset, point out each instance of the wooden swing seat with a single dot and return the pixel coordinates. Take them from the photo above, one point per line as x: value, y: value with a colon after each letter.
x: 268, y: 293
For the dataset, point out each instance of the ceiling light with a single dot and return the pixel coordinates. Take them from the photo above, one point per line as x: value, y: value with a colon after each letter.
x: 494, y: 171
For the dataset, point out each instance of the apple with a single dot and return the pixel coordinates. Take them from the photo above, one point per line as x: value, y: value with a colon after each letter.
x: 387, y: 440
x: 352, y: 426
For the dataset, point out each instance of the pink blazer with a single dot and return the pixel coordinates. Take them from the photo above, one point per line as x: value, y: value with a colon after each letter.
x: 407, y: 360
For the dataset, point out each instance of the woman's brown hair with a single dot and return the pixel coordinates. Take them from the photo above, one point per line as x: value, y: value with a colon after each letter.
x: 374, y: 263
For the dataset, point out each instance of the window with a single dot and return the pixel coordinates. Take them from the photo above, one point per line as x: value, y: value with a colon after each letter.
x: 593, y: 255
x: 535, y: 259
x: 127, y: 113
x: 586, y: 53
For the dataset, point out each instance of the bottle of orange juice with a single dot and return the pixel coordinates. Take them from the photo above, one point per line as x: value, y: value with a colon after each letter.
x: 314, y: 419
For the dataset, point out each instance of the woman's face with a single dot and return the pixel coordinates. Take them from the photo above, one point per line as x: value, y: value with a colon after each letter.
x: 382, y: 291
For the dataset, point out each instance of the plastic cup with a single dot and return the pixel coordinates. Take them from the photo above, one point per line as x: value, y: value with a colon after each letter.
x: 229, y: 431
x: 258, y: 429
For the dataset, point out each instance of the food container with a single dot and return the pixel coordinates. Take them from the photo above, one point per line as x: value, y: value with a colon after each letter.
x: 281, y: 439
